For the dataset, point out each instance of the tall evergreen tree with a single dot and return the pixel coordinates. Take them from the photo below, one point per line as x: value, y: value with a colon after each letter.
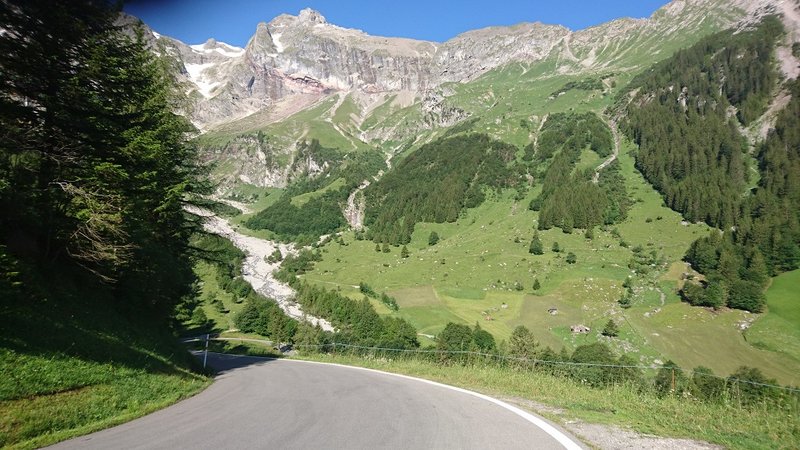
x: 571, y: 258
x: 483, y: 340
x: 611, y: 329
x: 536, y: 246
x: 522, y: 344
x: 435, y: 183
x: 454, y: 338
x: 94, y: 165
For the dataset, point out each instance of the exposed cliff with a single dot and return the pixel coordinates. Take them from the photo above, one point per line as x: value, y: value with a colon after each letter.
x: 306, y: 55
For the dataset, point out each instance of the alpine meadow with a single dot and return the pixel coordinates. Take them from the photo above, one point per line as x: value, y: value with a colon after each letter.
x: 601, y: 226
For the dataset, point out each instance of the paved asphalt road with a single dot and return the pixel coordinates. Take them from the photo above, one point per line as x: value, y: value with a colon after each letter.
x: 284, y: 404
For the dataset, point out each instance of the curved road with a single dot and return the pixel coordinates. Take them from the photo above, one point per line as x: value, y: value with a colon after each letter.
x: 285, y: 404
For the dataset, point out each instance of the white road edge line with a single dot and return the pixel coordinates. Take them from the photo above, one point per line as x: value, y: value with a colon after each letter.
x: 562, y: 439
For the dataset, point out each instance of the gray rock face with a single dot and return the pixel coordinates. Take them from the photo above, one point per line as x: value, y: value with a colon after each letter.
x: 254, y: 160
x: 297, y: 55
x: 306, y: 55
x: 339, y: 58
x: 473, y: 53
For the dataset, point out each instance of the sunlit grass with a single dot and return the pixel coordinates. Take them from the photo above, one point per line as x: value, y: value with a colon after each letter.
x: 720, y: 423
x: 122, y: 395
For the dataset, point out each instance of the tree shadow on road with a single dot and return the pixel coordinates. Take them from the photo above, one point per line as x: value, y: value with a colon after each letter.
x: 222, y: 363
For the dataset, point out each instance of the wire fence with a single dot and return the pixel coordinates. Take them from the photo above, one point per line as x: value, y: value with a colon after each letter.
x: 533, y: 362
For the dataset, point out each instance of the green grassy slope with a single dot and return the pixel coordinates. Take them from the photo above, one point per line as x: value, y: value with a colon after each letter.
x: 779, y: 329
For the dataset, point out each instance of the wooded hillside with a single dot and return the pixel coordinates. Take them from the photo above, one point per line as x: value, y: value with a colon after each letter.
x: 435, y: 183
x: 685, y: 114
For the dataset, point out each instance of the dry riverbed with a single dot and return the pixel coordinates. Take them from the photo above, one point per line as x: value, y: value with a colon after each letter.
x: 256, y: 270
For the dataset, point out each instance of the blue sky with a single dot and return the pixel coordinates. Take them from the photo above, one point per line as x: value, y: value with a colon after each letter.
x: 234, y: 21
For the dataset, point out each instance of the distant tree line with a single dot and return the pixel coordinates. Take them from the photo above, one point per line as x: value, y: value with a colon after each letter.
x: 259, y: 314
x: 435, y: 183
x: 573, y: 132
x: 294, y: 265
x: 303, y: 224
x: 690, y: 149
x: 596, y: 365
x: 384, y: 298
x: 356, y: 320
x: 263, y: 316
x: 461, y: 338
x: 587, y: 84
x: 438, y: 181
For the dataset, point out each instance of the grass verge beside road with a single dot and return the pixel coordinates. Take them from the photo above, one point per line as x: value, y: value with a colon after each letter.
x: 42, y: 420
x: 621, y: 405
x: 74, y: 364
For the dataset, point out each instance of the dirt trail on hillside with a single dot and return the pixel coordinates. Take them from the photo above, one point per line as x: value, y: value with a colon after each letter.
x: 354, y: 211
x: 256, y: 270
x: 615, y: 133
x: 243, y: 207
x: 356, y: 206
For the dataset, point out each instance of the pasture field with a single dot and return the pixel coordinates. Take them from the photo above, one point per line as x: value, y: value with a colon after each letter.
x: 779, y: 329
x: 257, y: 198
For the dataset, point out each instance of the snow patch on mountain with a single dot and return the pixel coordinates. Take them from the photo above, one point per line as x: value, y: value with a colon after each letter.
x: 276, y: 39
x: 219, y: 47
x: 196, y: 76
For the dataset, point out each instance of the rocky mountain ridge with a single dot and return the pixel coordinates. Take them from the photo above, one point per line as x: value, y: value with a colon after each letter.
x: 305, y: 55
